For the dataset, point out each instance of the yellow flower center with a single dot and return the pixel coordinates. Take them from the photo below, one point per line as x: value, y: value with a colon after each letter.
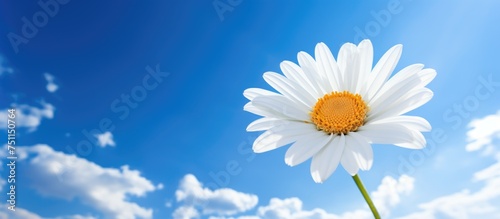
x: 339, y: 112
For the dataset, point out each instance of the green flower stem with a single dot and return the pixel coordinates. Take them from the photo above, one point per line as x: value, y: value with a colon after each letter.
x: 366, y: 196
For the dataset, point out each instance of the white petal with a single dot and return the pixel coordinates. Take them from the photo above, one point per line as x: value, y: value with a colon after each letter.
x: 349, y: 66
x: 415, y: 100
x: 251, y: 93
x: 387, y: 133
x: 249, y: 107
x: 289, y: 89
x: 412, y: 122
x: 290, y: 72
x: 308, y: 65
x: 362, y: 150
x: 383, y: 70
x: 406, y: 103
x: 398, y: 85
x: 266, y: 123
x: 396, y: 90
x: 282, y: 135
x: 328, y: 66
x: 295, y: 73
x: 306, y: 147
x: 326, y: 160
x: 427, y: 75
x: 402, y: 75
x: 348, y: 159
x: 418, y: 142
x: 365, y: 50
x: 409, y: 126
x: 282, y: 106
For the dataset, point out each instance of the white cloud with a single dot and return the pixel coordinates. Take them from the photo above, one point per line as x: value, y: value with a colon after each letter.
x: 240, y: 217
x: 483, y: 132
x: 186, y: 212
x: 51, y: 85
x: 220, y: 201
x: 385, y: 198
x: 483, y: 202
x: 291, y: 208
x: 104, y: 139
x: 388, y: 193
x: 55, y: 174
x: 466, y: 204
x: 76, y: 217
x: 492, y: 171
x: 20, y: 213
x: 28, y: 116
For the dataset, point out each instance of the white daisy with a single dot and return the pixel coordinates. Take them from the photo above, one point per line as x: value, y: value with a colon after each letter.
x: 333, y: 110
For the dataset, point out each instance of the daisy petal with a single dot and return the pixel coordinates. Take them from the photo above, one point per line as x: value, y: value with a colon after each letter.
x: 387, y: 133
x: 365, y: 50
x: 412, y: 122
x: 308, y: 65
x: 249, y: 107
x: 415, y: 100
x: 418, y: 142
x: 403, y: 87
x: 295, y: 73
x: 289, y: 89
x: 426, y: 76
x: 398, y: 85
x: 266, y: 123
x: 326, y: 160
x: 251, y: 93
x: 306, y: 147
x: 348, y: 159
x: 280, y: 136
x: 362, y: 150
x: 349, y: 66
x: 282, y: 106
x: 383, y: 70
x: 328, y: 66
x: 406, y: 103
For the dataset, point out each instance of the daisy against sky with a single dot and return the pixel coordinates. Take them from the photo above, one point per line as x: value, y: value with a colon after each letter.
x: 134, y: 110
x: 333, y: 109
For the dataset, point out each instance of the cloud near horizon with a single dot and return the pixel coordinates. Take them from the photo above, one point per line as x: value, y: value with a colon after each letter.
x: 68, y: 177
x: 385, y: 198
x: 225, y: 201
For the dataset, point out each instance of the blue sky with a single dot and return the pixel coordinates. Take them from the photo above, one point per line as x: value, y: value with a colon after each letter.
x: 165, y: 82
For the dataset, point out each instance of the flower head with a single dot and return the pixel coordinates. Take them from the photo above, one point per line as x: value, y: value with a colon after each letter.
x: 333, y: 110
